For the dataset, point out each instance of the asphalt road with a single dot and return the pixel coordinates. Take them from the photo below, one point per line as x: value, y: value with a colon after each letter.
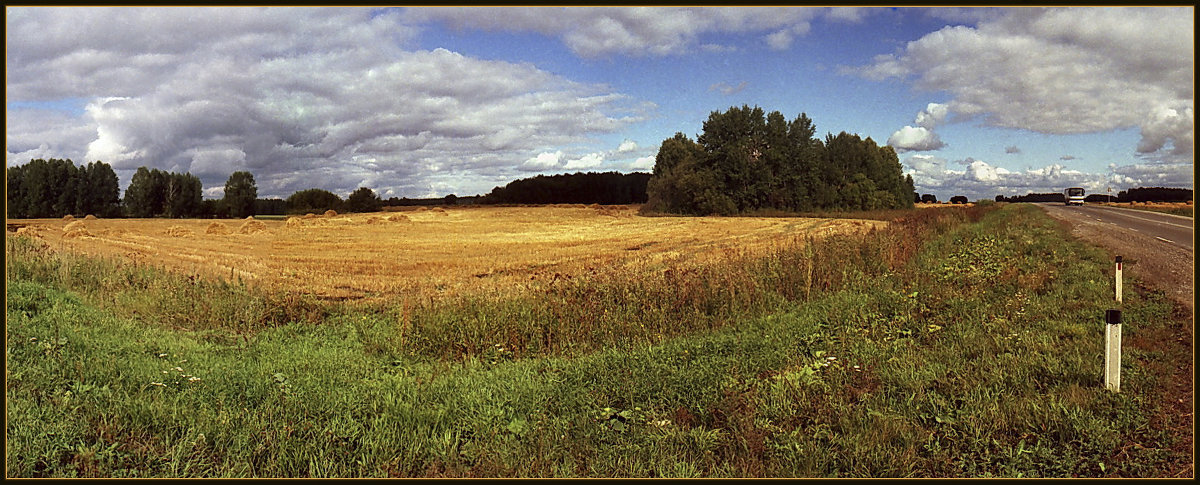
x: 1171, y: 229
x: 1157, y: 248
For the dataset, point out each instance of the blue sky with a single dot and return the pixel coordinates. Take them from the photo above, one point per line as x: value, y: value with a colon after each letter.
x: 423, y: 102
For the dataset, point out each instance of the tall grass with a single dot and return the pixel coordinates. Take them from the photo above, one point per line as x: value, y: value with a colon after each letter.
x: 959, y: 342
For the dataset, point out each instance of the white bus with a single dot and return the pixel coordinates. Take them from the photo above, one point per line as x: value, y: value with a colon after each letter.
x: 1073, y: 196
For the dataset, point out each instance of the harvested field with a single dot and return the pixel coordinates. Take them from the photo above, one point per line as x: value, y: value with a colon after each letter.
x: 436, y: 252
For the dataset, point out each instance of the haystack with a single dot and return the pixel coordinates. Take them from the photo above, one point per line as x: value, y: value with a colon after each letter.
x: 218, y: 228
x: 310, y: 215
x: 440, y: 211
x: 178, y: 231
x: 294, y: 222
x: 398, y: 218
x: 330, y: 213
x: 374, y: 220
x: 252, y: 227
x: 89, y: 218
x: 68, y: 217
x: 28, y: 231
x: 76, y: 229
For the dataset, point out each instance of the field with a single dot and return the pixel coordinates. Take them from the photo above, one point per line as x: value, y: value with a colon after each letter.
x: 431, y: 252
x: 582, y: 342
x: 1176, y: 208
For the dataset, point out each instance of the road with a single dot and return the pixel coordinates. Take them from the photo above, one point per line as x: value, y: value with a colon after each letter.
x: 1157, y: 248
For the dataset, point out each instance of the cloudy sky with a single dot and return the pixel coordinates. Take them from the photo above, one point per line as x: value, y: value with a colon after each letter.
x: 424, y: 102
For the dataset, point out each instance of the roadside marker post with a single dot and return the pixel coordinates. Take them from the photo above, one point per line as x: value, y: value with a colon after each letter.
x: 1118, y: 279
x: 1112, y: 350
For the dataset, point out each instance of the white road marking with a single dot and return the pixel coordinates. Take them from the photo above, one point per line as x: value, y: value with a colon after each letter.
x: 1167, y: 240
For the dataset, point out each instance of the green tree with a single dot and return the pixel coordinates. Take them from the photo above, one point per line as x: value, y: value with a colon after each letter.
x: 146, y: 194
x: 100, y: 190
x: 184, y: 194
x: 313, y: 200
x: 363, y: 200
x: 240, y: 194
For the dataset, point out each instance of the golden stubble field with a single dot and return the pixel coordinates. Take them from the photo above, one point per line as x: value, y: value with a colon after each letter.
x: 427, y: 253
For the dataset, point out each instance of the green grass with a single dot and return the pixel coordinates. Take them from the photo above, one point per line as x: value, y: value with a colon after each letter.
x: 960, y: 343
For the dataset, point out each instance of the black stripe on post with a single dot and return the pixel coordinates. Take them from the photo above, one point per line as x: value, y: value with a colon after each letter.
x: 1112, y: 317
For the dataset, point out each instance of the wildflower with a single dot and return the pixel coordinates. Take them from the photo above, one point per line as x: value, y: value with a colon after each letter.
x: 177, y: 369
x: 193, y: 378
x: 162, y: 355
x: 33, y: 339
x: 831, y: 358
x: 159, y: 384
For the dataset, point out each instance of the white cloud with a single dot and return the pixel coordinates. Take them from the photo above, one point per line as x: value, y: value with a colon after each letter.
x: 591, y: 160
x: 979, y: 179
x: 626, y: 146
x: 1063, y: 71
x: 914, y: 138
x: 643, y: 163
x: 300, y: 97
x: 932, y: 116
x: 544, y: 161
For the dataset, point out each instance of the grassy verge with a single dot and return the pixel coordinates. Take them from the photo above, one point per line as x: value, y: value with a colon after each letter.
x: 958, y: 343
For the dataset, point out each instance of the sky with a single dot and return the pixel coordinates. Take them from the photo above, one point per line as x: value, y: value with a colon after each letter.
x: 425, y: 102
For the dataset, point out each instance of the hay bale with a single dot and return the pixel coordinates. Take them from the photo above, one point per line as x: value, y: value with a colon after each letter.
x: 438, y: 211
x: 29, y: 231
x: 330, y: 213
x: 374, y: 220
x: 77, y: 231
x: 310, y: 215
x: 89, y: 217
x: 73, y: 226
x: 68, y: 217
x: 294, y: 222
x: 398, y: 218
x: 178, y: 231
x: 218, y: 228
x: 252, y: 227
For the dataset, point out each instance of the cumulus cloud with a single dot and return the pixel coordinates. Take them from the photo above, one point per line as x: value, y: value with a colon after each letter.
x: 642, y: 31
x: 979, y: 179
x: 626, y: 146
x: 915, y: 138
x: 591, y: 160
x: 544, y: 161
x: 1064, y: 71
x: 643, y: 163
x: 300, y: 97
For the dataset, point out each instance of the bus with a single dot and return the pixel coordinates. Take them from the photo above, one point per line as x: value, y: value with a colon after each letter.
x: 1073, y: 196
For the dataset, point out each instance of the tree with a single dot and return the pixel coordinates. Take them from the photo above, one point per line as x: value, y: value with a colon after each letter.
x: 240, y: 194
x: 929, y: 199
x: 99, y: 190
x: 146, y: 194
x: 958, y: 199
x: 313, y: 200
x: 183, y: 195
x: 363, y: 200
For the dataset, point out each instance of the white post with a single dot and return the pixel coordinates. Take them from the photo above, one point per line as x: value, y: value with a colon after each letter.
x: 1118, y: 279
x: 1112, y: 350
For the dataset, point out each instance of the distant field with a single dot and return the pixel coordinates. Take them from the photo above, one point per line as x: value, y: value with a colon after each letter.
x: 1176, y: 208
x: 426, y: 252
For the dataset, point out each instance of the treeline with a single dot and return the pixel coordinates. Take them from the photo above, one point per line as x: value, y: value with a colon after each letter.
x: 1140, y: 194
x: 1154, y: 194
x: 610, y: 188
x: 55, y: 188
x: 747, y: 160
